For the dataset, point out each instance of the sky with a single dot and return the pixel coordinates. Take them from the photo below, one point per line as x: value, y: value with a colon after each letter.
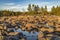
x: 21, y: 5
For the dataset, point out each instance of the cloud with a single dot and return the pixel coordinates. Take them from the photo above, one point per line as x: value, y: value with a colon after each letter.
x: 13, y: 6
x: 48, y: 4
x: 9, y: 4
x: 19, y: 7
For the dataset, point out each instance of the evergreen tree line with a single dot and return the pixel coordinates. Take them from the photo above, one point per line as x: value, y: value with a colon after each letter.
x: 33, y: 10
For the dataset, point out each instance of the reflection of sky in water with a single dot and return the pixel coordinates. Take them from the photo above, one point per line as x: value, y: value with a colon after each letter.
x: 29, y: 36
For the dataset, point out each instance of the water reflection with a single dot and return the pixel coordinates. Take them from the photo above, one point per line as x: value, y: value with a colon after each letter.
x: 33, y: 35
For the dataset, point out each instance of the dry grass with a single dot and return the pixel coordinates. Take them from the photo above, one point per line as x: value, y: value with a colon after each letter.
x: 28, y: 18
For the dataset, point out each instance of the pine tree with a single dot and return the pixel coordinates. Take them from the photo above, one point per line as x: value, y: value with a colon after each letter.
x: 29, y: 8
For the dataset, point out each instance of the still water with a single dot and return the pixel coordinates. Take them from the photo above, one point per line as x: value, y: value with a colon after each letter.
x: 28, y: 35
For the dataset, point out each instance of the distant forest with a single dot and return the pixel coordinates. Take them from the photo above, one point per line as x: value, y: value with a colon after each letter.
x: 33, y: 10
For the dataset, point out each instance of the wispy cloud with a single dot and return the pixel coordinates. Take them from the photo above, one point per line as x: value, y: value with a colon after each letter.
x: 9, y: 4
x: 13, y: 6
x: 19, y: 6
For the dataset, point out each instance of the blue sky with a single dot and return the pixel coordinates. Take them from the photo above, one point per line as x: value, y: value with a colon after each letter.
x: 19, y: 5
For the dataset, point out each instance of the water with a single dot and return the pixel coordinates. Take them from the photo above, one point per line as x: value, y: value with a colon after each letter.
x: 28, y: 35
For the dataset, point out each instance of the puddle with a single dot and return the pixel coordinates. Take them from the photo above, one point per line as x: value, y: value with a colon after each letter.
x: 29, y: 35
